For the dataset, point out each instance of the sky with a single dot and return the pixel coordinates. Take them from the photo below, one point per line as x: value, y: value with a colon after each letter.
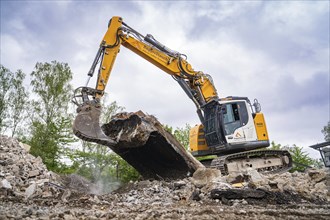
x: 275, y: 51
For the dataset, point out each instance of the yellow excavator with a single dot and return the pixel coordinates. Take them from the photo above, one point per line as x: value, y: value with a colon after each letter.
x: 231, y: 128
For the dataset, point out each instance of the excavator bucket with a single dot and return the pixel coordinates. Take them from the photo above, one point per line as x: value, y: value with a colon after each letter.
x: 86, y: 125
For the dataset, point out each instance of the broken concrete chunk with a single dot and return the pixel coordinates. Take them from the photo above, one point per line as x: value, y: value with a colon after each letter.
x: 30, y: 190
x: 5, y: 184
x: 254, y: 176
x: 148, y: 147
x: 235, y: 177
x: 203, y: 176
x: 179, y: 184
x: 317, y: 175
x: 256, y: 180
x: 33, y: 173
x: 216, y: 184
x: 25, y: 146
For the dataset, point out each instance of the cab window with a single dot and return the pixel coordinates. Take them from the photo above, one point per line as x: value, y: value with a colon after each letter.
x: 234, y: 117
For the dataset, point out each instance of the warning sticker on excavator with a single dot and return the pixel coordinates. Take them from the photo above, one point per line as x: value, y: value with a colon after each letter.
x: 238, y: 135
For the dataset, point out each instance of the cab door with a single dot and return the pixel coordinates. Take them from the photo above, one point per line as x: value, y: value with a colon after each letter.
x: 237, y: 121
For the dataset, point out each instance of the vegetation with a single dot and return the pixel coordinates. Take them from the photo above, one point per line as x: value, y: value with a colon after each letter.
x: 45, y: 121
x: 300, y: 158
x: 326, y: 132
x: 5, y: 85
x: 50, y: 122
x: 181, y: 134
x: 13, y: 100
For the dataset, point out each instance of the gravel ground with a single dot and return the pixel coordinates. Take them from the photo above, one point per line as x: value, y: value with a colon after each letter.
x: 158, y: 200
x: 88, y: 207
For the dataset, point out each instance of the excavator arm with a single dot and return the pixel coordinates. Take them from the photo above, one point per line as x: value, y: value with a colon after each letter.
x: 197, y: 85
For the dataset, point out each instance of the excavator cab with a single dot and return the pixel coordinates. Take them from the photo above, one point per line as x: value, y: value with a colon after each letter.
x: 231, y: 125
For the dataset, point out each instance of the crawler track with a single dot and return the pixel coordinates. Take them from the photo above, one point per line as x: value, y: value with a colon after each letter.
x: 263, y: 156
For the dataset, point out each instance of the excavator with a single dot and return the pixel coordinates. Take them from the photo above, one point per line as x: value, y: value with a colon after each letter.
x: 232, y: 135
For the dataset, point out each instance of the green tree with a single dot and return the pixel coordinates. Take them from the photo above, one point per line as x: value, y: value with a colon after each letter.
x: 181, y: 134
x: 18, y: 102
x: 91, y: 160
x: 6, y: 77
x: 326, y: 132
x: 300, y: 158
x: 274, y: 146
x: 318, y: 163
x: 122, y: 170
x: 51, y: 122
x: 13, y: 100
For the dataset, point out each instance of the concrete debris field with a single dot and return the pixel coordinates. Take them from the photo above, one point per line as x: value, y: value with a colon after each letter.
x: 29, y: 191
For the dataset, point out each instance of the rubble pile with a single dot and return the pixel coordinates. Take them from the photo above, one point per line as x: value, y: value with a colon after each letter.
x: 207, y: 185
x: 156, y: 192
x: 22, y: 174
x: 28, y: 190
x: 313, y: 184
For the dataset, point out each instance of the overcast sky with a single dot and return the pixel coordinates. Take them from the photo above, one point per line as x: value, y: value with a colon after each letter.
x: 275, y: 51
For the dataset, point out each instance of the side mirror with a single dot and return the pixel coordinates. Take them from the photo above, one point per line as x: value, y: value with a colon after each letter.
x: 257, y: 106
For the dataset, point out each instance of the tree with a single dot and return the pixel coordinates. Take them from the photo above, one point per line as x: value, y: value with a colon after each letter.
x: 51, y: 122
x: 18, y: 102
x: 13, y: 100
x: 326, y: 132
x: 301, y: 160
x: 275, y: 146
x: 5, y: 85
x: 181, y: 134
x: 122, y: 170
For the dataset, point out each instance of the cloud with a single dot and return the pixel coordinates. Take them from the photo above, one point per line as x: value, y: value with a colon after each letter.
x: 291, y: 95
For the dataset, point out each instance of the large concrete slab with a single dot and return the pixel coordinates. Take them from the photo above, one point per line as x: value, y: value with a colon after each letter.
x: 148, y: 147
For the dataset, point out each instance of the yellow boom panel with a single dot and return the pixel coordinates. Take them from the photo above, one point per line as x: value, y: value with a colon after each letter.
x: 260, y: 125
x: 112, y: 44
